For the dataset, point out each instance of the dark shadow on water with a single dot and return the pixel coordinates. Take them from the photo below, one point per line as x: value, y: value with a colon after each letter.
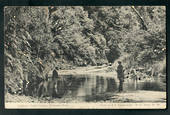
x: 111, y: 85
x: 72, y: 84
x: 154, y: 86
x: 90, y: 87
x: 96, y: 88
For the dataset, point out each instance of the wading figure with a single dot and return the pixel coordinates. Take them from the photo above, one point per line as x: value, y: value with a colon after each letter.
x: 120, y: 74
x: 134, y: 78
x: 52, y: 86
x: 48, y: 87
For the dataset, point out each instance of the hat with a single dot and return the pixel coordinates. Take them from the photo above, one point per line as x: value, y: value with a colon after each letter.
x: 119, y: 62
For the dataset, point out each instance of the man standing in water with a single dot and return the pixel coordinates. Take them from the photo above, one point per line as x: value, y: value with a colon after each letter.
x: 120, y: 74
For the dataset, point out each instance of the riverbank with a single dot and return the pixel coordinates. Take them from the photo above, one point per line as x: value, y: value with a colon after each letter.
x: 139, y: 96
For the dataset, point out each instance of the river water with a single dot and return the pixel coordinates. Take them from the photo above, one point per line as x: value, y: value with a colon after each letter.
x: 90, y: 87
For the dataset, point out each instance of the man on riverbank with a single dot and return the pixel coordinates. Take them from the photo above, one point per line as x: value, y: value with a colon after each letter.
x: 120, y: 75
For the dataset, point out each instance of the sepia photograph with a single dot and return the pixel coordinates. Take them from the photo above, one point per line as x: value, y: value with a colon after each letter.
x: 85, y: 57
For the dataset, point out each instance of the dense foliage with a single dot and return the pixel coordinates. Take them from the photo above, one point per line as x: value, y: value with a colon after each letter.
x: 39, y: 39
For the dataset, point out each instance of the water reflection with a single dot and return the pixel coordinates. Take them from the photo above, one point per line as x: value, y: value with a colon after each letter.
x: 111, y: 85
x: 94, y: 88
x: 87, y: 86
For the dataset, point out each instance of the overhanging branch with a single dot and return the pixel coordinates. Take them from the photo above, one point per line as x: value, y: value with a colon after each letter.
x: 141, y: 18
